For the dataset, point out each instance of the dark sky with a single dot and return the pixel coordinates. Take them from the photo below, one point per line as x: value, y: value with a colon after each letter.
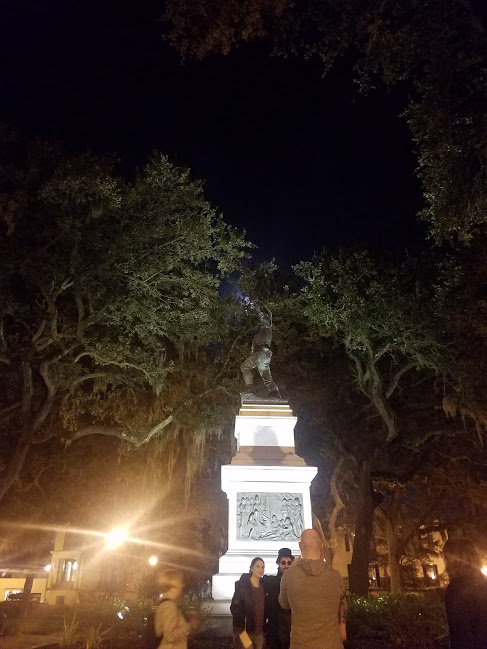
x: 301, y: 162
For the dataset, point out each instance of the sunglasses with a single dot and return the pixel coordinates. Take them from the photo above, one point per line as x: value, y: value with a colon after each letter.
x: 286, y: 563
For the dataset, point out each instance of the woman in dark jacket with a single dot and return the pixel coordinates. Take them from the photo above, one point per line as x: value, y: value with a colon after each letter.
x: 247, y: 607
x: 466, y: 596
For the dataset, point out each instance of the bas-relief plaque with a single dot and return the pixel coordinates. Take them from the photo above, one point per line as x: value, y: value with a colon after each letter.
x: 269, y: 516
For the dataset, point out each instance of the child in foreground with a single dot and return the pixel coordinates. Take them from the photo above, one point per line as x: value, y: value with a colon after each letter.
x: 170, y: 624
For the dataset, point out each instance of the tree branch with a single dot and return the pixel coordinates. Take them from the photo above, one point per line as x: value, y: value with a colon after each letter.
x: 14, y: 466
x: 396, y: 378
x: 339, y: 504
x: 49, y: 400
x: 106, y: 361
x: 420, y: 521
x: 8, y: 409
x: 359, y: 371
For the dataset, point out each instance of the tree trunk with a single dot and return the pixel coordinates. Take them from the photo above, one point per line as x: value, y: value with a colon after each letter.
x: 337, y: 509
x: 394, y: 564
x: 359, y: 569
x: 24, y: 602
x: 391, y: 517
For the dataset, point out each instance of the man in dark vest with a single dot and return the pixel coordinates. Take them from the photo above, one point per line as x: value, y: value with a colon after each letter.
x: 278, y: 620
x: 260, y: 356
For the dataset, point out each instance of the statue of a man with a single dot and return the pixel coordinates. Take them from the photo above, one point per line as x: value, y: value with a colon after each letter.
x: 260, y: 356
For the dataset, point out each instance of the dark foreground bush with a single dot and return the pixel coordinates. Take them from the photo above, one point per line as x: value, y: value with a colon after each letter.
x: 406, y: 621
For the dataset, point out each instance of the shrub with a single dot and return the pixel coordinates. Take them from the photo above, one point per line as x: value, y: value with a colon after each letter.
x: 407, y: 621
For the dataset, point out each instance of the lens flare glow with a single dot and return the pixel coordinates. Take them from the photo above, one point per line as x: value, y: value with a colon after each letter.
x: 115, y: 538
x: 153, y: 561
x: 484, y: 570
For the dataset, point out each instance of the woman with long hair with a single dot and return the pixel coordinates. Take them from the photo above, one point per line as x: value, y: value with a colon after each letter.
x: 466, y: 596
x: 247, y: 607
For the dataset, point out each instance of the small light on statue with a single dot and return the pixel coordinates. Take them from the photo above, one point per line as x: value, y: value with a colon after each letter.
x: 48, y: 567
x: 153, y: 561
x: 115, y: 538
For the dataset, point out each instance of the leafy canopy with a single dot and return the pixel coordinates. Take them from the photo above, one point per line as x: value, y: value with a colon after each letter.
x: 110, y: 296
x: 437, y: 48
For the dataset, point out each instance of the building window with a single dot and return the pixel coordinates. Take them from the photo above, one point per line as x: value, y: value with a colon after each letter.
x: 374, y: 575
x: 430, y: 573
x: 66, y: 571
x: 13, y: 591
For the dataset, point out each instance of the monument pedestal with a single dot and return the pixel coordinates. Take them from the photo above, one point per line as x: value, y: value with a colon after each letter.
x: 267, y: 487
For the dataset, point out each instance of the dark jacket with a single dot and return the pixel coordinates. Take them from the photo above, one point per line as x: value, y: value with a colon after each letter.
x: 241, y: 606
x: 278, y: 620
x: 314, y: 592
x: 466, y: 611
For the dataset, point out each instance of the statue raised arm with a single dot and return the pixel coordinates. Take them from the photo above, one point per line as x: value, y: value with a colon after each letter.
x: 261, y: 354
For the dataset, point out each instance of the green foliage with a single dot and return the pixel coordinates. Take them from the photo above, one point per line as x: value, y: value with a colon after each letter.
x: 367, y: 303
x: 105, y: 624
x: 70, y: 631
x: 384, y: 317
x: 409, y: 621
x: 110, y: 298
x: 439, y: 48
x: 11, y: 626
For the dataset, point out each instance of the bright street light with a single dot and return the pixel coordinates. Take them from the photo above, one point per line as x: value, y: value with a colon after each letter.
x: 115, y: 538
x: 153, y: 561
x: 48, y: 567
x: 484, y: 570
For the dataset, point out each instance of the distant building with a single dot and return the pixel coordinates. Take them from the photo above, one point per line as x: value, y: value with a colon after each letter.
x: 12, y: 582
x: 426, y: 569
x: 82, y: 569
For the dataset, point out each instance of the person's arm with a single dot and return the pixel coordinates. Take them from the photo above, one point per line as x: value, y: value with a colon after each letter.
x: 237, y: 609
x: 283, y: 599
x: 170, y: 623
x: 263, y: 314
x: 459, y: 613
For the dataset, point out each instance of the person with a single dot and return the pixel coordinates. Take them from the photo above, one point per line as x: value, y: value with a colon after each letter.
x: 466, y: 596
x: 278, y: 621
x: 170, y: 624
x: 261, y: 354
x: 247, y: 607
x: 315, y: 594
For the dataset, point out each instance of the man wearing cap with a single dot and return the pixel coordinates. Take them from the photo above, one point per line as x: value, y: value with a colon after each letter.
x: 278, y: 620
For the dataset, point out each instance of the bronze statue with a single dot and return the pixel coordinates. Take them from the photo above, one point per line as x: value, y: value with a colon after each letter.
x: 261, y: 354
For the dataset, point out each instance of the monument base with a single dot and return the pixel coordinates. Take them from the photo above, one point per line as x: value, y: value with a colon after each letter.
x: 267, y: 487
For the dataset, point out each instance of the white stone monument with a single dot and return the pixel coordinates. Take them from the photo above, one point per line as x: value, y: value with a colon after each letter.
x: 267, y: 487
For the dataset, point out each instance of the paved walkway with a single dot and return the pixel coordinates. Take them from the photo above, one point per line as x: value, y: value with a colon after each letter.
x: 27, y: 641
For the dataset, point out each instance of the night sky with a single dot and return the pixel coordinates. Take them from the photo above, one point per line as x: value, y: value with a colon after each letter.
x: 301, y: 162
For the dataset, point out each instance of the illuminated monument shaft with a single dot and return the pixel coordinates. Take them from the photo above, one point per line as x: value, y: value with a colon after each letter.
x: 267, y: 487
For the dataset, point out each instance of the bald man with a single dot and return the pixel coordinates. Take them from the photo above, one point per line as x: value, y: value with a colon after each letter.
x: 315, y: 593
